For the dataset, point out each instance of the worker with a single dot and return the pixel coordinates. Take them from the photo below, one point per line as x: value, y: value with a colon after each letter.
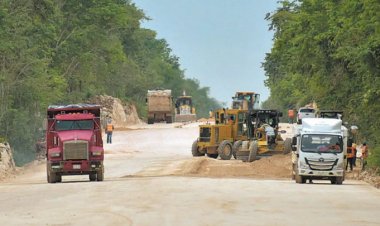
x: 350, y: 155
x: 364, y: 155
x: 291, y: 115
x: 109, y: 130
x: 355, y: 153
x: 231, y: 120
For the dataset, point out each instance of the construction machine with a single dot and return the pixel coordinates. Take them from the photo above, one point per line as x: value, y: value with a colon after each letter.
x: 245, y: 100
x: 160, y: 106
x: 184, y: 109
x: 241, y: 133
x: 265, y: 139
x: 217, y: 140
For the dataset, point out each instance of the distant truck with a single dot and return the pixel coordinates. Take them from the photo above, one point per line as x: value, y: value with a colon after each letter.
x: 184, y: 109
x: 319, y: 148
x: 160, y: 106
x: 305, y: 112
x: 74, y: 143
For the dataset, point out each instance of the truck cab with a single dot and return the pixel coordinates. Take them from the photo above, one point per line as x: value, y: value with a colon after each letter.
x: 319, y: 147
x: 74, y: 142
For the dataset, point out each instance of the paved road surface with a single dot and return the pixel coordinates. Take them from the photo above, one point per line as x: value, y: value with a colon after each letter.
x: 140, y: 188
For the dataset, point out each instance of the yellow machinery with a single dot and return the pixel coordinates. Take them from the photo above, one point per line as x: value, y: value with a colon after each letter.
x: 245, y: 100
x: 184, y: 110
x: 265, y: 138
x: 217, y: 140
x: 241, y: 133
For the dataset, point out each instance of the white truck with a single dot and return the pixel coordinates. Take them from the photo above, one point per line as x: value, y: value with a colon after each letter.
x: 319, y: 148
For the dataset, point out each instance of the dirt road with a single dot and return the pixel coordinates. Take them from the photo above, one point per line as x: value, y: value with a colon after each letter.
x: 152, y: 179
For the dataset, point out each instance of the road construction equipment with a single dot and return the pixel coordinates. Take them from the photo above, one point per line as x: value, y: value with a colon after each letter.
x: 184, y: 109
x: 240, y: 133
x: 245, y: 100
x: 160, y: 106
x: 265, y: 139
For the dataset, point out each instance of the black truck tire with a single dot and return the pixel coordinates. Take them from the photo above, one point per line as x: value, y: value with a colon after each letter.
x: 51, y: 177
x: 92, y: 176
x: 225, y: 150
x: 194, y: 149
x: 253, y: 147
x: 236, y: 147
x: 150, y: 120
x: 287, y: 146
x: 169, y: 119
x: 100, y: 175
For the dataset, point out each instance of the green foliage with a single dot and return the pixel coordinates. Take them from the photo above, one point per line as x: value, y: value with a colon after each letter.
x: 328, y: 52
x: 57, y: 52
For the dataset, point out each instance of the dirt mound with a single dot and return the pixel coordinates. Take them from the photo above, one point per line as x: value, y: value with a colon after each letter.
x: 7, y: 164
x: 277, y: 166
x: 122, y: 115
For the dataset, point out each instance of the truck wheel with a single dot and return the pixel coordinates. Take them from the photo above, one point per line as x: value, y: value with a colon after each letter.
x: 92, y: 176
x: 169, y: 119
x: 337, y: 180
x: 150, y: 120
x: 287, y: 145
x: 214, y: 156
x: 252, y: 151
x: 195, y: 151
x: 58, y: 178
x: 100, y: 175
x: 299, y: 179
x: 51, y: 177
x: 236, y: 147
x: 225, y: 150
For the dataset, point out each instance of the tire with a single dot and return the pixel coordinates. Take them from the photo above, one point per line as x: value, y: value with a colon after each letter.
x: 287, y: 146
x: 236, y: 147
x: 169, y: 119
x: 194, y: 150
x: 100, y: 175
x: 51, y: 178
x: 92, y: 176
x: 225, y: 150
x: 299, y: 179
x: 58, y: 178
x: 337, y: 180
x: 253, y: 147
x: 214, y: 156
x: 150, y: 120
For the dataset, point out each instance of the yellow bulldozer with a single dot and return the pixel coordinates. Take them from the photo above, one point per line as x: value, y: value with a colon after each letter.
x: 184, y: 109
x: 244, y: 134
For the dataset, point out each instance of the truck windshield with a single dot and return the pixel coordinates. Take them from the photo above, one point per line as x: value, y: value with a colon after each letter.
x: 322, y: 143
x: 74, y: 125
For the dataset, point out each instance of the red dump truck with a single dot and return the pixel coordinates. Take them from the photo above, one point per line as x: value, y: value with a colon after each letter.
x: 74, y: 142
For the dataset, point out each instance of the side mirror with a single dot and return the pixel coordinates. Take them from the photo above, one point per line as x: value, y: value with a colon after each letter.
x: 294, y: 141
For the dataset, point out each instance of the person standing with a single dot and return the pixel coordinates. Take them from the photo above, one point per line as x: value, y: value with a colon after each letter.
x: 364, y: 155
x: 109, y: 130
x: 350, y: 156
x: 355, y: 152
x: 291, y: 116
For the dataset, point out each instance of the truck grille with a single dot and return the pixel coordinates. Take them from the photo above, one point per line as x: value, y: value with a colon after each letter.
x: 75, y: 150
x: 321, y: 164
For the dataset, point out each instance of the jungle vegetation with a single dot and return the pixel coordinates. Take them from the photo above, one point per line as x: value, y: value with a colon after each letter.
x: 328, y: 51
x: 60, y: 52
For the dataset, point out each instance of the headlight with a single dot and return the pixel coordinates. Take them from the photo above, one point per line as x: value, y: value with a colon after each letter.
x: 340, y: 165
x: 55, y: 154
x: 97, y: 153
x: 303, y: 165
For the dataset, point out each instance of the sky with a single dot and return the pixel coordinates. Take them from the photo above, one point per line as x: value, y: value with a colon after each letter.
x: 221, y: 43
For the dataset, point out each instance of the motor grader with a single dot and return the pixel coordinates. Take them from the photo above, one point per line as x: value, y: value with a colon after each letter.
x: 265, y: 139
x: 217, y: 140
x: 245, y: 100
